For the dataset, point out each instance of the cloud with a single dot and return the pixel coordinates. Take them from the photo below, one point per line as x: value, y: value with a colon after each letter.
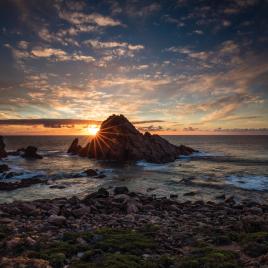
x: 190, y: 129
x: 60, y: 55
x: 112, y: 44
x: 134, y: 9
x: 49, y: 123
x: 48, y: 52
x: 80, y: 18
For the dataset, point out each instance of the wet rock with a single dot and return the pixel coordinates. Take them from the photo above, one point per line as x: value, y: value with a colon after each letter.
x: 4, y: 168
x: 91, y: 172
x: 31, y: 153
x: 57, y: 187
x: 120, y: 190
x: 101, y: 193
x: 79, y: 212
x: 123, y: 142
x: 173, y: 196
x: 10, y: 186
x: 56, y: 220
x: 13, y: 243
x: 3, y: 152
x: 190, y: 193
x: 74, y: 147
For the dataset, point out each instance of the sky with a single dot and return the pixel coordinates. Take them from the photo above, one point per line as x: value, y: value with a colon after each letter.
x: 170, y: 66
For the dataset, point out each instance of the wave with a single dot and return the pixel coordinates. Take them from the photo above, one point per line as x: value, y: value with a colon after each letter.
x: 151, y: 166
x: 249, y: 182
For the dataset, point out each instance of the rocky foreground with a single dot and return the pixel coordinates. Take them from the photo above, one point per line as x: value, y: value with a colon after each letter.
x: 129, y: 230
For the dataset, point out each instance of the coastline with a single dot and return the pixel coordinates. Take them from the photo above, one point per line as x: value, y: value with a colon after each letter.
x: 118, y: 228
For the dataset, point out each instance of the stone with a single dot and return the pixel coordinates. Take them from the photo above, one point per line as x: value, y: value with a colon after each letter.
x: 10, y: 186
x: 56, y: 220
x: 13, y: 243
x: 101, y: 193
x: 91, y: 172
x: 74, y: 147
x: 31, y: 153
x: 120, y: 190
x: 3, y: 152
x: 79, y: 212
x: 119, y: 140
x: 4, y: 168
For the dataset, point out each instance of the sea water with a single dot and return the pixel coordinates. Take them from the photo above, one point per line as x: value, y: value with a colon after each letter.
x: 224, y: 164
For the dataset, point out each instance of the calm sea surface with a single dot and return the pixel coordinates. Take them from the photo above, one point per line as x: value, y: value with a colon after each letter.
x: 235, y: 165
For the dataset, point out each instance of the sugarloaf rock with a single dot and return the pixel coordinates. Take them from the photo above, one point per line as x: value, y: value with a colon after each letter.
x: 119, y: 140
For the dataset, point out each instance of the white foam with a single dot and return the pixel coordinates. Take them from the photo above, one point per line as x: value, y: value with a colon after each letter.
x: 29, y: 175
x: 201, y: 154
x: 151, y: 166
x: 249, y: 182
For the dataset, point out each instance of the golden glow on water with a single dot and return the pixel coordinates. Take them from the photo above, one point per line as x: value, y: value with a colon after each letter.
x: 92, y: 130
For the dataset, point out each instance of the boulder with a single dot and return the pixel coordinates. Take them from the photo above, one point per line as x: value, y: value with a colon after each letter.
x: 56, y: 220
x: 4, y: 168
x: 120, y: 190
x: 74, y: 147
x: 91, y: 172
x: 31, y: 153
x: 3, y: 152
x: 119, y: 140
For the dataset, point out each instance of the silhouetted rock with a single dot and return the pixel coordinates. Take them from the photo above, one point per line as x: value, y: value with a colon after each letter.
x: 74, y: 147
x: 3, y: 152
x: 30, y: 153
x: 120, y: 190
x: 91, y: 172
x: 4, y: 168
x: 119, y: 140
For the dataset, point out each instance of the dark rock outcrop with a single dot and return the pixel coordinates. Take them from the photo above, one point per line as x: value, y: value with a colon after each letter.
x: 119, y: 140
x: 31, y: 153
x: 74, y: 148
x: 3, y: 152
x: 10, y: 186
x: 4, y: 168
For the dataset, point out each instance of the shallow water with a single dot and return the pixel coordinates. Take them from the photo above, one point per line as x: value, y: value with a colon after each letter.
x: 225, y: 164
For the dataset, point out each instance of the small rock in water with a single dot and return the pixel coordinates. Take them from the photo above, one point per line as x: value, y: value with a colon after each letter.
x: 3, y: 152
x: 121, y: 190
x: 150, y: 189
x: 91, y: 172
x: 173, y: 196
x: 190, y: 193
x: 31, y: 153
x: 221, y: 196
x: 4, y: 168
x: 57, y: 187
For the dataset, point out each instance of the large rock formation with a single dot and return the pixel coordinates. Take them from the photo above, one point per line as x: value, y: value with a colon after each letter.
x: 119, y: 140
x: 3, y: 152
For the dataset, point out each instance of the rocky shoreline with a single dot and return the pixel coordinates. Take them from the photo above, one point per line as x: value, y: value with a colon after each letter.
x: 118, y: 228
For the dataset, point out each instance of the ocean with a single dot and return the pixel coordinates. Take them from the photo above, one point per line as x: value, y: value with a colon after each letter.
x: 229, y: 165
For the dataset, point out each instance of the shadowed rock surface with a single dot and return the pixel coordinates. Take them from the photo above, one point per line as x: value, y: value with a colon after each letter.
x: 119, y: 140
x: 3, y: 152
x: 31, y: 153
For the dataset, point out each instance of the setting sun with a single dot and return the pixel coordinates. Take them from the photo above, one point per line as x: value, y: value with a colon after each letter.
x: 92, y: 129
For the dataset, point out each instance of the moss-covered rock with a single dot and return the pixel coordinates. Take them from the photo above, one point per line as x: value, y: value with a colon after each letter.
x: 210, y: 258
x: 255, y: 244
x: 130, y: 241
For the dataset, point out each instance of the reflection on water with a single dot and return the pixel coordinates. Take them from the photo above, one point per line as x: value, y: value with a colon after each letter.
x: 227, y: 164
